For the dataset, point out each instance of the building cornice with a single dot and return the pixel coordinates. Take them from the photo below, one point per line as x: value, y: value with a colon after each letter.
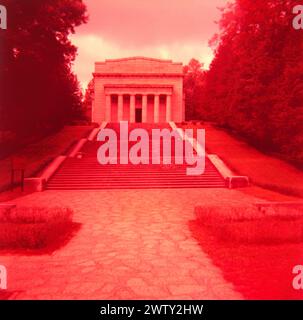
x: 139, y: 58
x: 138, y: 75
x: 138, y: 86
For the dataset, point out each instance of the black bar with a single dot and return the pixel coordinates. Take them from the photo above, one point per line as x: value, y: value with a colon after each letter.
x: 148, y: 309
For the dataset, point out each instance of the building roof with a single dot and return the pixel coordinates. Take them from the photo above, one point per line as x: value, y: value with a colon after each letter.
x: 138, y: 65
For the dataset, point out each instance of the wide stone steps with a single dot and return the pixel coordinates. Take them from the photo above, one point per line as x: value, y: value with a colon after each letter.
x: 85, y: 173
x: 89, y: 174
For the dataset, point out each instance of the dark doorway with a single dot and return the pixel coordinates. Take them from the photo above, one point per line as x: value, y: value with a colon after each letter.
x: 138, y: 115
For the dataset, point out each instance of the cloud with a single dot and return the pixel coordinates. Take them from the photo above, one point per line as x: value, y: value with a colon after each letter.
x: 177, y: 30
x: 152, y: 22
x: 93, y: 48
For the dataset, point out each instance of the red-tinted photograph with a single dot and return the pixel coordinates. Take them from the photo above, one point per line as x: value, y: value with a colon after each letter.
x: 151, y: 150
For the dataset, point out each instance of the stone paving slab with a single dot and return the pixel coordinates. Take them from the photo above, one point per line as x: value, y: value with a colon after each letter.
x: 133, y: 244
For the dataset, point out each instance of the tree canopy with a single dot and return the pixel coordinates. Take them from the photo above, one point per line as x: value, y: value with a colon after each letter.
x: 255, y: 82
x: 38, y: 89
x: 194, y: 77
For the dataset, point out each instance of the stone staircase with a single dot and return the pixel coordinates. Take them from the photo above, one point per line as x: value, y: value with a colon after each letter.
x: 86, y: 173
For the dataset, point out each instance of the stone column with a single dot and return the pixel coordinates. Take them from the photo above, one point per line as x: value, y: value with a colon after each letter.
x: 156, y: 108
x: 120, y: 107
x: 168, y: 108
x: 108, y: 107
x: 144, y: 108
x: 132, y: 110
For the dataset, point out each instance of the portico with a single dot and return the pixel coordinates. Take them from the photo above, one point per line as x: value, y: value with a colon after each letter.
x: 138, y: 90
x: 136, y: 106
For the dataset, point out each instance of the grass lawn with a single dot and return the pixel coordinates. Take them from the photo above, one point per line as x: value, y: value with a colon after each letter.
x: 263, y: 170
x: 257, y: 271
x: 35, y: 156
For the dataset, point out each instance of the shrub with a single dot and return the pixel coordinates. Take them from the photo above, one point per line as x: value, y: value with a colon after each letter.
x: 33, y: 227
x: 223, y: 214
x: 253, y: 224
x: 263, y: 231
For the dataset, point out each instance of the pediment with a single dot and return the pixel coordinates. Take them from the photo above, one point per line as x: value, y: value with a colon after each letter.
x: 138, y: 65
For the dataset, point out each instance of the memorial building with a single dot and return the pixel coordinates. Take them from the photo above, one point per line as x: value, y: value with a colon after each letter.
x: 138, y: 89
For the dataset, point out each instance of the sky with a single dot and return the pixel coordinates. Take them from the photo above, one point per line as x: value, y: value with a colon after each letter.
x: 167, y: 29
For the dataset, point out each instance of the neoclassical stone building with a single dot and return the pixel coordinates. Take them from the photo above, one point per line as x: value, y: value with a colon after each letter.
x: 138, y: 89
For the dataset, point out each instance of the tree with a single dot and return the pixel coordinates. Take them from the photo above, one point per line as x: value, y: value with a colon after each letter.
x: 254, y: 85
x: 38, y: 89
x: 88, y: 99
x: 193, y: 85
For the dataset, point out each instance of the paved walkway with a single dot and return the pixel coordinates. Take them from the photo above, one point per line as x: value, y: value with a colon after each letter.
x: 133, y: 244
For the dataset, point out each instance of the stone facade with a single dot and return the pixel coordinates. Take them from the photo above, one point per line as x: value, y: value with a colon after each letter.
x: 138, y: 89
